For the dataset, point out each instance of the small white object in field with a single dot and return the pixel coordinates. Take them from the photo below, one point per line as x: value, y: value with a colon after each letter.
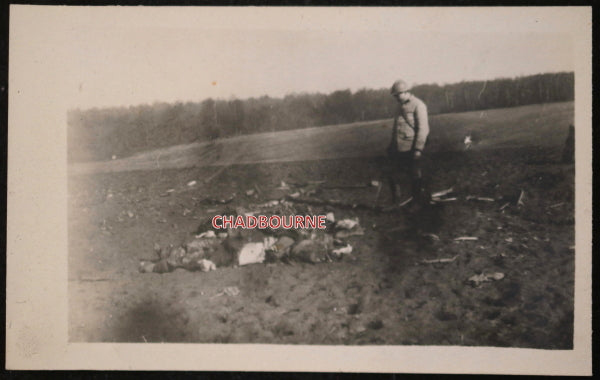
x: 206, y: 235
x: 343, y: 251
x: 347, y: 224
x: 520, y: 200
x: 466, y: 238
x: 479, y: 278
x: 330, y: 217
x: 375, y: 183
x: 269, y: 204
x: 146, y: 266
x: 231, y: 291
x: 431, y: 236
x: 268, y: 242
x: 114, y: 157
x: 468, y: 142
x: 441, y: 193
x: 191, y: 183
x: 206, y: 265
x: 251, y: 253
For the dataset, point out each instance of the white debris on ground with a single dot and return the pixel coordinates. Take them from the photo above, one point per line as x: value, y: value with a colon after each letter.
x: 347, y: 224
x: 478, y: 279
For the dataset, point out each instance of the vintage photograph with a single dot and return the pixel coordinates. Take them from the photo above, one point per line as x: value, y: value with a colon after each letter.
x: 321, y: 177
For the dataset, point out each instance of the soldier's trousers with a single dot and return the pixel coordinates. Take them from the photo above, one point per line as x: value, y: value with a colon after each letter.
x: 403, y: 162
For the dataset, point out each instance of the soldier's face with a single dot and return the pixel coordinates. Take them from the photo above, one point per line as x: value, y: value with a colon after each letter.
x: 402, y: 96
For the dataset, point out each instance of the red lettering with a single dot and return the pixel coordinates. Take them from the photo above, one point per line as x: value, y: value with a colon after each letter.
x: 277, y: 219
x: 311, y: 221
x: 239, y: 222
x: 298, y: 222
x: 214, y: 222
x: 252, y: 221
x: 227, y: 221
x: 290, y: 223
x: 262, y: 222
x: 321, y: 222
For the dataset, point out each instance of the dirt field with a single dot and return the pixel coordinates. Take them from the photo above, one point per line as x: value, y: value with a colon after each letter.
x: 385, y: 292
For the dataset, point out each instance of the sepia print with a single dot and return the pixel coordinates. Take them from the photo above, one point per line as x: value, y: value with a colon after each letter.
x: 328, y: 184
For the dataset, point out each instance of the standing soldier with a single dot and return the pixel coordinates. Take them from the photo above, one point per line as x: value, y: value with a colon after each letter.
x: 409, y: 135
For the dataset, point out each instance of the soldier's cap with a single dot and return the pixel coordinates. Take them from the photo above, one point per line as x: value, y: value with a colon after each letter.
x: 399, y: 86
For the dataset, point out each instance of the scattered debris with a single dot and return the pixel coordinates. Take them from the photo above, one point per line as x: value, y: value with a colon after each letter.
x: 231, y: 291
x: 251, y: 253
x: 146, y: 266
x: 431, y: 236
x: 283, y: 186
x: 478, y: 279
x: 342, y: 251
x: 485, y: 199
x: 130, y: 214
x: 218, y: 201
x: 269, y: 204
x: 375, y: 183
x: 347, y: 224
x: 509, y: 240
x: 520, y: 200
x: 191, y: 183
x: 405, y: 202
x: 358, y: 231
x: 310, y: 250
x: 557, y: 205
x: 294, y: 195
x: 186, y: 211
x: 468, y: 142
x: 206, y: 265
x: 250, y: 192
x: 170, y: 190
x: 442, y: 260
x: 330, y: 217
x: 572, y: 248
x: 444, y: 199
x: 441, y: 193
x: 504, y: 206
x: 281, y: 247
x: 466, y: 238
x: 114, y: 157
x: 206, y: 235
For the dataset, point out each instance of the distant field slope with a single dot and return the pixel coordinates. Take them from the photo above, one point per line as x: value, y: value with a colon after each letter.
x: 537, y: 125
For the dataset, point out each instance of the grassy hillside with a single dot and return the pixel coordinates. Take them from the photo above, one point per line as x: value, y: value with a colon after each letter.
x: 534, y: 125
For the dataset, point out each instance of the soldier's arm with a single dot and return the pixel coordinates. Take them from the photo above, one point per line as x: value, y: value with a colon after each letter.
x: 422, y: 124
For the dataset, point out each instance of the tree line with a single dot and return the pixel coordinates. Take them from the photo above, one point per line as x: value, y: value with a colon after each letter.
x: 97, y: 134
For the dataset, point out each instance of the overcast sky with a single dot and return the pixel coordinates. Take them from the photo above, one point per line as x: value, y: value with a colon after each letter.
x: 119, y: 56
